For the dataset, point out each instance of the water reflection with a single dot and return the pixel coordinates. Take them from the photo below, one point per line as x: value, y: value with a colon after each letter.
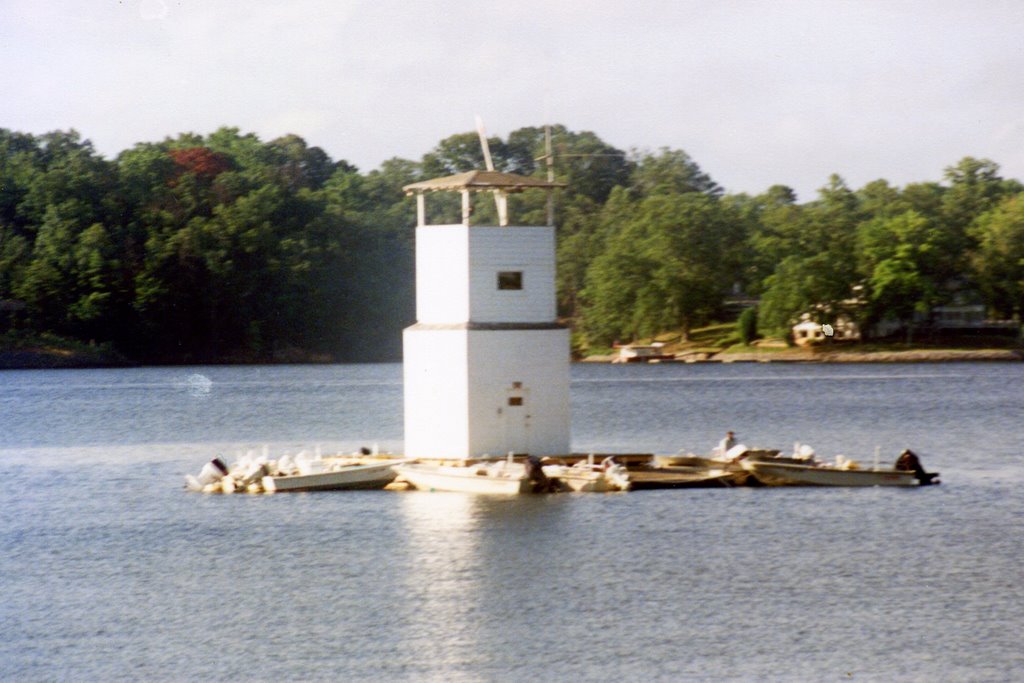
x: 469, y: 572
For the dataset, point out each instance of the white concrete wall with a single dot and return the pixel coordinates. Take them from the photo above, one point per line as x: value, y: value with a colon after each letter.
x: 436, y: 400
x: 442, y: 274
x: 450, y: 290
x: 539, y: 361
x: 457, y: 386
x: 530, y: 250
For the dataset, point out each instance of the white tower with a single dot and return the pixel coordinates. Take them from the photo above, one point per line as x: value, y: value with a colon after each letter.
x: 487, y: 363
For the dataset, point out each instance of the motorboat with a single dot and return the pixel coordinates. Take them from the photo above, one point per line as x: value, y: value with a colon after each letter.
x: 335, y: 478
x: 841, y: 472
x: 586, y: 475
x: 259, y: 474
x: 682, y: 477
x: 490, y: 477
x: 714, y: 461
x: 688, y: 470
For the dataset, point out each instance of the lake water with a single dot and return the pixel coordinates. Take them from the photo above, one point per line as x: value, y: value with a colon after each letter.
x: 112, y: 571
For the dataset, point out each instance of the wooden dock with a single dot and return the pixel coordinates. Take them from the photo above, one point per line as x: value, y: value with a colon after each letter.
x: 642, y: 473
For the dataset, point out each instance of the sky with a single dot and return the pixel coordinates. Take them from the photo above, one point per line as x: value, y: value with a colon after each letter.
x: 758, y: 93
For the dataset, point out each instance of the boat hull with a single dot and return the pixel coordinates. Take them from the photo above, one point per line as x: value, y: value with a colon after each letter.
x: 353, y: 477
x: 465, y: 479
x: 788, y: 474
x: 685, y: 477
x: 583, y: 483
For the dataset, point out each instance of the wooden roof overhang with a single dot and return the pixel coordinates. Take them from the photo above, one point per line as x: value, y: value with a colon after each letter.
x: 501, y: 184
x: 481, y: 181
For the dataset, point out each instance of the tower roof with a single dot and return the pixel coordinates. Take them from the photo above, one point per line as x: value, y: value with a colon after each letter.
x: 480, y: 181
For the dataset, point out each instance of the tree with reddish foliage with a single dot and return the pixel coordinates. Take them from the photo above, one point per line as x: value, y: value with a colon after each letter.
x: 200, y: 161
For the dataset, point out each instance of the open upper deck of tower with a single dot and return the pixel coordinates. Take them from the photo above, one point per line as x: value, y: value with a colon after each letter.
x: 501, y: 184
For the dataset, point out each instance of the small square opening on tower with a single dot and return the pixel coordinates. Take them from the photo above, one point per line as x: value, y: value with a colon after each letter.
x: 510, y: 279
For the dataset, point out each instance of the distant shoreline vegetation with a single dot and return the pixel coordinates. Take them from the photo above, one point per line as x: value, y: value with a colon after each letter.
x: 224, y: 248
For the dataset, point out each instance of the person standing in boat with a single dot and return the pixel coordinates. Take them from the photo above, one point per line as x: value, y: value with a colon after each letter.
x: 725, y: 444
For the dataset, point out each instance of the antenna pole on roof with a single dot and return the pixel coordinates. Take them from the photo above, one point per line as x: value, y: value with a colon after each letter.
x: 551, y: 172
x: 500, y: 199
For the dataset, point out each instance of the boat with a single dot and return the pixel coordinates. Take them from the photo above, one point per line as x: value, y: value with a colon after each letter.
x: 335, y: 478
x: 641, y: 353
x: 490, y: 477
x: 669, y: 477
x: 688, y: 470
x: 586, y: 475
x: 259, y: 474
x: 716, y: 460
x: 842, y: 472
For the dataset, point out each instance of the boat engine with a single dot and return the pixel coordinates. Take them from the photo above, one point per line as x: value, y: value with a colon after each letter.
x: 908, y: 461
x: 540, y: 482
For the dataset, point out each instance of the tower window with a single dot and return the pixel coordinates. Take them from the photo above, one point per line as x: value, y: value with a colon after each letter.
x: 510, y: 279
x: 515, y: 400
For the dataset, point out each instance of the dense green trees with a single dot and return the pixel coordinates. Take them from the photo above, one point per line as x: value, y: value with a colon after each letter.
x: 998, y: 259
x: 203, y: 248
x: 668, y: 266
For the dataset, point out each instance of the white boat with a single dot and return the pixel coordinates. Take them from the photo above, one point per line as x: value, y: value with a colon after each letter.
x: 792, y: 474
x: 841, y: 473
x: 498, y: 477
x: 587, y: 475
x: 341, y: 477
x: 257, y: 474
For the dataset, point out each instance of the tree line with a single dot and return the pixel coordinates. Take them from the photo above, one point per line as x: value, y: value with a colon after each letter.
x: 225, y: 247
x: 664, y: 256
x: 199, y: 249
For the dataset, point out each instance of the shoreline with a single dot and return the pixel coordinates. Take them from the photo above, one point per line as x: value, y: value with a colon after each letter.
x: 33, y: 359
x: 61, y: 360
x: 812, y: 356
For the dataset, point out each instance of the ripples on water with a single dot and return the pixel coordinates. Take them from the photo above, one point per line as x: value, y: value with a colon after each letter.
x: 112, y: 572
